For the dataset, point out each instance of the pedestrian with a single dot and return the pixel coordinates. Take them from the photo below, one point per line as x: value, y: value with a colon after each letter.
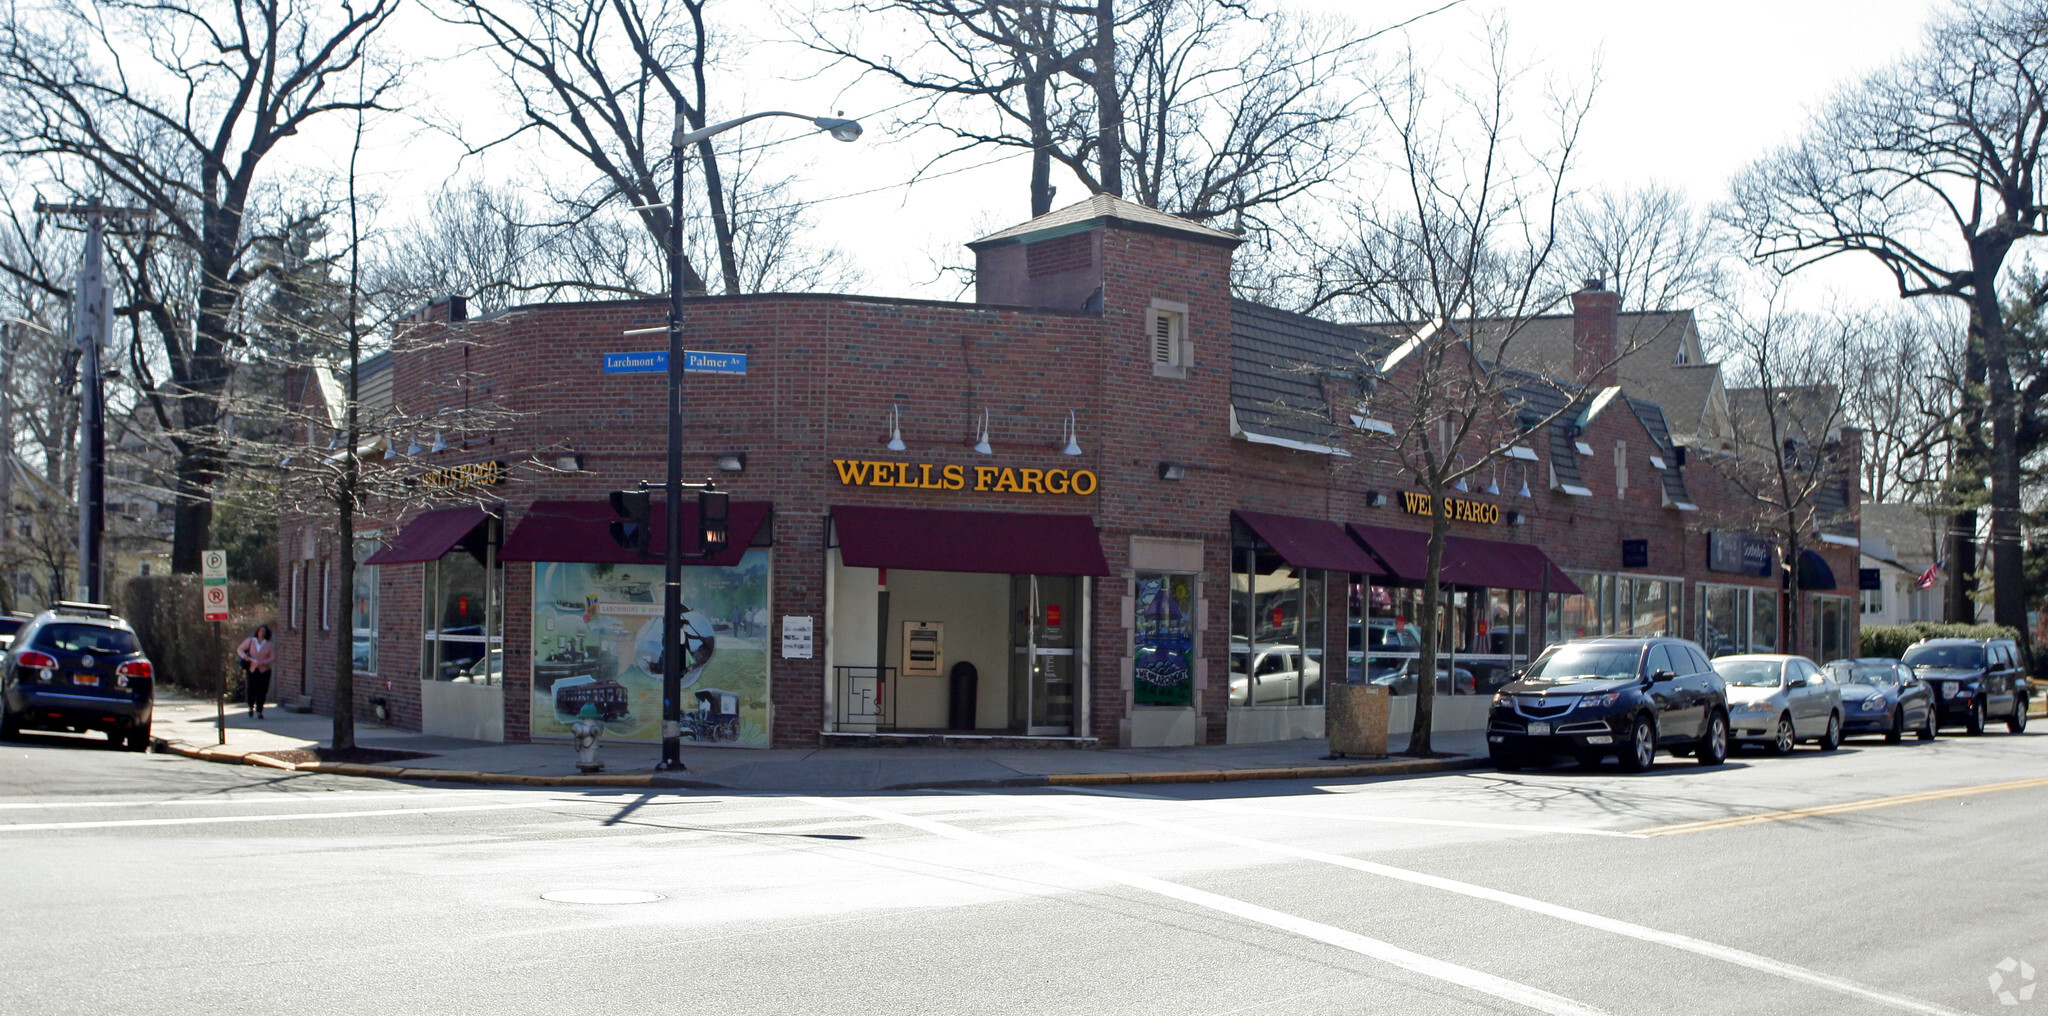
x: 255, y: 654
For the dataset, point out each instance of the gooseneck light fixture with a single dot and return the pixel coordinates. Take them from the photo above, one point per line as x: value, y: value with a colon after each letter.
x: 982, y: 447
x: 841, y: 129
x: 1073, y: 437
x: 895, y: 443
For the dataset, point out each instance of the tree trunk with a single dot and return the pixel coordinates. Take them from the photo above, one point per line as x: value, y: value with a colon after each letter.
x: 1961, y: 543
x: 1419, y: 741
x: 1109, y: 103
x: 1041, y: 146
x: 2008, y: 573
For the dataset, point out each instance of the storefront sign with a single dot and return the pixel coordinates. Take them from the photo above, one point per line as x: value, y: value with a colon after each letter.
x: 1457, y: 508
x: 1740, y: 554
x: 995, y: 479
x: 469, y: 474
x: 1869, y: 578
x: 1635, y: 553
x: 796, y: 637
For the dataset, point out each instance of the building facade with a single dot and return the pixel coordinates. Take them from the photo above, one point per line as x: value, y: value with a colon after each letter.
x: 1103, y: 504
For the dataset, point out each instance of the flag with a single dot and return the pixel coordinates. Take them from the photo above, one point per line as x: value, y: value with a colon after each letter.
x: 1926, y: 579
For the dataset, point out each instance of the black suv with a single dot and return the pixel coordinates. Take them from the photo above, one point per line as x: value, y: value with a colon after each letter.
x: 1972, y: 681
x: 1627, y: 697
x: 77, y: 667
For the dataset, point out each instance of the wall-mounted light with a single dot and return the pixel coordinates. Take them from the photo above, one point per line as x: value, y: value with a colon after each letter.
x: 390, y: 452
x: 982, y: 447
x: 1493, y: 482
x: 1073, y: 437
x: 439, y: 444
x: 732, y: 462
x: 1524, y: 492
x: 413, y: 448
x: 1172, y: 471
x: 569, y: 462
x: 895, y: 429
x: 1374, y: 499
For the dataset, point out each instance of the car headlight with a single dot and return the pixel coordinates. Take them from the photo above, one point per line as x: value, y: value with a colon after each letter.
x: 1965, y: 691
x: 1749, y: 707
x: 1501, y: 698
x: 1599, y: 701
x: 1948, y: 691
x: 1875, y: 704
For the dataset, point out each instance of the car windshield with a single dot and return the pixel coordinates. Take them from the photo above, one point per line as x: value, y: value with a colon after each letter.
x: 1750, y: 673
x: 1945, y: 656
x: 1566, y: 662
x: 84, y: 638
x: 1863, y: 673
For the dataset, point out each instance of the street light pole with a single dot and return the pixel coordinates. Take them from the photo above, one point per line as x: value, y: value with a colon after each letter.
x: 672, y: 661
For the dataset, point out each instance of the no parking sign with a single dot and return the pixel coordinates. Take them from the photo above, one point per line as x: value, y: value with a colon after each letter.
x: 213, y: 579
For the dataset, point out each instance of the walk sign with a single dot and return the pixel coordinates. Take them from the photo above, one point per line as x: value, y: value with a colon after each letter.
x: 213, y: 584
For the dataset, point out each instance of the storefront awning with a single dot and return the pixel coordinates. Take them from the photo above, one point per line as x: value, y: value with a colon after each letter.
x: 1311, y: 543
x: 1814, y: 572
x: 1468, y: 560
x: 929, y: 539
x: 580, y: 531
x: 429, y: 536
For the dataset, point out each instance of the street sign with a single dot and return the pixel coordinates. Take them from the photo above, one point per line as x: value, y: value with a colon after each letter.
x: 213, y: 584
x: 695, y: 361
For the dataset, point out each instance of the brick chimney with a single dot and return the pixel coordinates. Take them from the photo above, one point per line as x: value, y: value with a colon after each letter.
x: 1596, y: 321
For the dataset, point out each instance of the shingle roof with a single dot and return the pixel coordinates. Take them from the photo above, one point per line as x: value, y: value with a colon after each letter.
x: 1907, y: 532
x: 1652, y: 416
x: 1102, y: 208
x: 1278, y: 360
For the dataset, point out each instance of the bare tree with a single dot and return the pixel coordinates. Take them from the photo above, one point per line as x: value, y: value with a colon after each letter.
x: 178, y: 106
x: 1902, y: 386
x: 1648, y: 245
x: 1932, y: 167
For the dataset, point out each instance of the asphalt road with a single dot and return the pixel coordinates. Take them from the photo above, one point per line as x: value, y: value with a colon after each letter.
x: 152, y: 883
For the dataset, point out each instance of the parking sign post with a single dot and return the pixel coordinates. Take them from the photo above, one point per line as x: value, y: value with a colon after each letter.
x: 213, y: 586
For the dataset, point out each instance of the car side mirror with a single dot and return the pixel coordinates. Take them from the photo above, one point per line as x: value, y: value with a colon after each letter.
x: 1661, y: 676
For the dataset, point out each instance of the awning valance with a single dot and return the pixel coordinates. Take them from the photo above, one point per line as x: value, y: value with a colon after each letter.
x: 429, y: 536
x: 1311, y: 543
x: 930, y: 539
x: 1468, y: 560
x: 1814, y: 572
x: 581, y: 531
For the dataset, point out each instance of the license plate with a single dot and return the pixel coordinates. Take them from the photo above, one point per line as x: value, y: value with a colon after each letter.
x: 87, y: 680
x: 1539, y: 730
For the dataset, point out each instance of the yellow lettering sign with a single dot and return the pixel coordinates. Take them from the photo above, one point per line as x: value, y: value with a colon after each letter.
x: 934, y: 476
x: 1457, y: 509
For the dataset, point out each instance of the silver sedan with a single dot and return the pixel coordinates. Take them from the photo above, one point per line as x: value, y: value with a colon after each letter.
x: 1778, y: 701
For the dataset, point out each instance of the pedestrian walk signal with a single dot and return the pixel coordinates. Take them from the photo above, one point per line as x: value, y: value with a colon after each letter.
x: 630, y: 532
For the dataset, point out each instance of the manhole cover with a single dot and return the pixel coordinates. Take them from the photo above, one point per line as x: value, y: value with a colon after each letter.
x: 602, y: 896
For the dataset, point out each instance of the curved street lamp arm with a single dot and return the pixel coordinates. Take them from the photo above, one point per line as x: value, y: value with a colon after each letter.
x: 844, y: 130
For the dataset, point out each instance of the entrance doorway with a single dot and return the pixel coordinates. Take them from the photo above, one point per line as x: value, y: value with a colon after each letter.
x: 1044, y: 636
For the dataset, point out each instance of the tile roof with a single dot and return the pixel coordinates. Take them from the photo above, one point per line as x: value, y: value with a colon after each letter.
x: 1102, y: 208
x: 1278, y: 360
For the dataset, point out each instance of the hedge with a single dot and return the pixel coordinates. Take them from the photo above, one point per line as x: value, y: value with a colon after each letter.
x: 165, y: 612
x: 1891, y: 640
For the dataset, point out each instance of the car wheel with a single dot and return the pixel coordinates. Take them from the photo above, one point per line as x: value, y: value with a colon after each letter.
x: 1927, y: 724
x: 1898, y: 731
x: 1833, y: 738
x: 1505, y: 761
x: 2018, y: 723
x: 1782, y: 743
x: 1975, y: 724
x: 1714, y: 747
x: 138, y: 738
x: 1641, y: 749
x: 10, y: 728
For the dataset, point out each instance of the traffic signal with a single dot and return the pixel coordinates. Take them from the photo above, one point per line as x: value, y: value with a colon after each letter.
x: 631, y: 531
x: 712, y: 509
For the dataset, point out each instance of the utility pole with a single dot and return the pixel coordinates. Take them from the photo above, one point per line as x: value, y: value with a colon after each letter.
x: 10, y: 337
x: 91, y: 325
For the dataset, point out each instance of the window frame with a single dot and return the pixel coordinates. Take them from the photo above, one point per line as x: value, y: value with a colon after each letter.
x: 1176, y: 348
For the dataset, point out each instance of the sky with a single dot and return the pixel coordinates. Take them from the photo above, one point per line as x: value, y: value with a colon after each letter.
x: 1688, y: 94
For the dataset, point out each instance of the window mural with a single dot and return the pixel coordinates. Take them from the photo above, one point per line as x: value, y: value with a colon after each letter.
x: 1164, y: 671
x: 597, y: 643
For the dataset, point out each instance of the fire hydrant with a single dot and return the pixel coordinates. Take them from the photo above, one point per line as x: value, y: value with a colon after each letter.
x: 588, y: 730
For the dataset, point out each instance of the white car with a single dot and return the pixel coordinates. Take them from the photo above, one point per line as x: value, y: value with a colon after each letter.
x: 1275, y: 673
x: 1777, y: 701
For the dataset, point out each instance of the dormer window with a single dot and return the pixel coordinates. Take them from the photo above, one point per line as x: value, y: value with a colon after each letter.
x: 1167, y: 337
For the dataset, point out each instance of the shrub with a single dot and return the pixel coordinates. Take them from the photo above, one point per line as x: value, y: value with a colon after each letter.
x: 1892, y: 640
x: 165, y: 612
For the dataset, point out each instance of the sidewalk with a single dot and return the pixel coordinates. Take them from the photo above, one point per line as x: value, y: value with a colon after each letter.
x: 187, y: 728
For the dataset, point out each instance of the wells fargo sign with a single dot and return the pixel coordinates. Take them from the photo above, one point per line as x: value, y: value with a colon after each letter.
x: 995, y: 479
x: 1457, y: 508
x: 469, y: 474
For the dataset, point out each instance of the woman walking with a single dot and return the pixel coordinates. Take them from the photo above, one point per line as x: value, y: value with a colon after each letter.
x: 255, y: 654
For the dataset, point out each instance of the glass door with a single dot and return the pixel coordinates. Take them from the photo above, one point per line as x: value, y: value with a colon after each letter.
x: 1044, y: 634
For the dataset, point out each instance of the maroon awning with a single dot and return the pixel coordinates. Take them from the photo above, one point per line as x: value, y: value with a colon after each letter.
x: 429, y: 536
x: 1471, y: 561
x: 1311, y: 543
x: 581, y: 531
x: 929, y: 539
x: 1405, y: 551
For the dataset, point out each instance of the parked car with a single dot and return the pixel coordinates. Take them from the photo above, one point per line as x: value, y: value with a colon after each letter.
x: 9, y: 624
x: 1882, y: 696
x: 1973, y: 681
x: 1400, y: 679
x: 1628, y: 697
x: 1275, y: 673
x: 1778, y: 701
x: 78, y: 667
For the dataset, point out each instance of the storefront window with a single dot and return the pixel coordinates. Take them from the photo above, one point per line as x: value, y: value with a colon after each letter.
x: 1763, y: 625
x: 1650, y: 613
x: 363, y: 608
x: 1164, y: 640
x: 464, y: 633
x: 1273, y: 661
x: 1738, y: 619
x: 1830, y: 623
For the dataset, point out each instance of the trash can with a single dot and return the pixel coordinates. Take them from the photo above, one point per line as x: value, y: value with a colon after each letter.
x: 1355, y: 720
x: 965, y: 684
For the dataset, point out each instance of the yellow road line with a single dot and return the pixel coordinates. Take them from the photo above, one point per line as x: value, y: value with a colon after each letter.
x: 1837, y: 809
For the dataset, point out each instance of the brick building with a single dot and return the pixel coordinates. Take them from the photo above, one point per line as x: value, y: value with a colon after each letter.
x: 1105, y: 503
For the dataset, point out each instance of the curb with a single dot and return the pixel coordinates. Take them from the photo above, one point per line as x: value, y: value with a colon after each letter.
x: 1404, y: 767
x: 214, y: 753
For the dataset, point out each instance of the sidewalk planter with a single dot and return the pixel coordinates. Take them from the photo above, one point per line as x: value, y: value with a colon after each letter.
x: 1357, y: 721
